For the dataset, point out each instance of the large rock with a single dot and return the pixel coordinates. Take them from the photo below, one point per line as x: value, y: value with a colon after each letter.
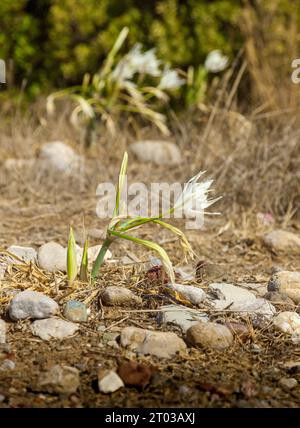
x: 193, y: 294
x: 280, y: 241
x: 230, y: 296
x: 53, y: 328
x: 157, y: 343
x: 118, y: 296
x: 2, y: 331
x: 158, y: 152
x: 32, y: 304
x: 58, y: 156
x: 59, y: 379
x: 180, y: 316
x: 287, y: 283
x: 209, y: 335
x: 27, y: 254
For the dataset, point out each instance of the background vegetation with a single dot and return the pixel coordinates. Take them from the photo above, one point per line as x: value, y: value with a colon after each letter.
x: 51, y: 43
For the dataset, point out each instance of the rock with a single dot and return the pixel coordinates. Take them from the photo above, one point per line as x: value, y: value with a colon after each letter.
x: 75, y: 311
x: 259, y: 289
x: 52, y: 257
x: 53, y: 328
x: 194, y: 294
x: 230, y: 296
x: 157, y: 343
x: 180, y: 316
x: 158, y: 152
x: 2, y: 398
x: 58, y: 156
x: 31, y: 304
x: 115, y: 296
x: 27, y: 254
x: 135, y: 374
x: 59, y: 379
x: 288, y: 383
x: 288, y: 322
x: 288, y: 283
x: 280, y: 241
x: 209, y: 335
x: 239, y: 329
x: 259, y: 308
x: 109, y: 381
x: 7, y: 365
x: 2, y: 331
x: 278, y: 298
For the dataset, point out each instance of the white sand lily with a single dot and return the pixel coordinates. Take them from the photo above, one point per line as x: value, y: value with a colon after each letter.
x: 216, y: 61
x: 170, y: 80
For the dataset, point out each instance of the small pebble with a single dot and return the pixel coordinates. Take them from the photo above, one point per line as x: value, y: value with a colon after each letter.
x: 75, y: 311
x: 109, y: 381
x: 288, y: 382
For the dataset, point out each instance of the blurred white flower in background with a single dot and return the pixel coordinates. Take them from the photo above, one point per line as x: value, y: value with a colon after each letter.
x: 170, y: 79
x: 137, y: 61
x: 216, y: 61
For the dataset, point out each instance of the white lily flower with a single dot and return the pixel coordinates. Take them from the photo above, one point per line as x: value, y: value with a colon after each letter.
x: 170, y: 80
x: 194, y: 198
x: 216, y: 61
x: 137, y: 62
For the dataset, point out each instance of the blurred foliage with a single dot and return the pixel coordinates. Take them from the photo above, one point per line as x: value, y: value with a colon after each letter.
x: 53, y: 43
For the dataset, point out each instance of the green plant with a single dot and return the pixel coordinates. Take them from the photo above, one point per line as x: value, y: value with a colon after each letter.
x: 120, y: 223
x: 129, y: 85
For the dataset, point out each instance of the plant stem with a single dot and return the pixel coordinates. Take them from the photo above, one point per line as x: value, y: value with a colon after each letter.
x: 100, y: 258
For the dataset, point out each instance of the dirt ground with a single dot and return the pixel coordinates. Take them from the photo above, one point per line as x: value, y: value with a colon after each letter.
x: 37, y: 208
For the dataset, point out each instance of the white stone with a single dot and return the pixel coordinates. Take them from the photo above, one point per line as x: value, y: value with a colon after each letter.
x: 27, y: 254
x: 194, y: 294
x: 258, y: 307
x: 288, y: 382
x: 288, y: 322
x: 180, y: 316
x: 7, y: 365
x: 280, y: 241
x: 209, y: 335
x: 114, y: 296
x: 52, y: 257
x: 53, y: 328
x: 147, y: 342
x: 59, y: 379
x: 287, y: 283
x: 158, y: 152
x: 109, y: 382
x: 60, y: 157
x: 2, y: 331
x: 31, y: 304
x: 229, y: 294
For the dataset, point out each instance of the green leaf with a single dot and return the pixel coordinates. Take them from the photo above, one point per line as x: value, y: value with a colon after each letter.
x: 71, y: 258
x: 83, y: 273
x: 122, y: 176
x: 167, y: 264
